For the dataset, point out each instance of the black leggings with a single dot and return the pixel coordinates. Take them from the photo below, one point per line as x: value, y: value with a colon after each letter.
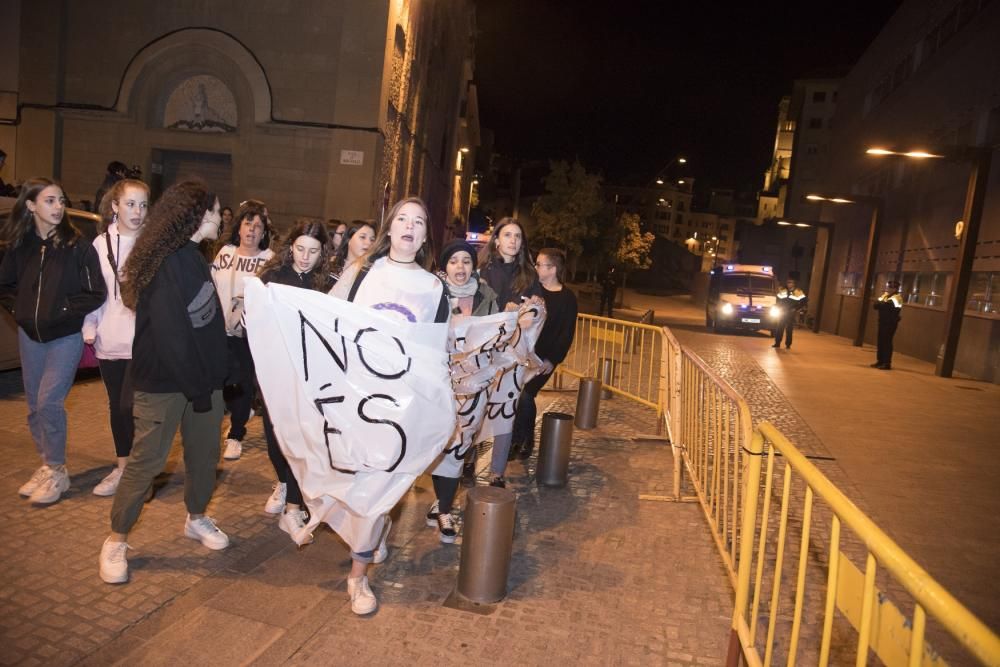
x: 114, y: 372
x: 527, y: 412
x: 445, y: 489
x: 242, y: 386
x: 293, y: 494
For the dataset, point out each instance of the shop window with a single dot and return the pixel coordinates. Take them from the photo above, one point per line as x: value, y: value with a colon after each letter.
x: 849, y: 283
x: 925, y: 288
x: 984, y: 293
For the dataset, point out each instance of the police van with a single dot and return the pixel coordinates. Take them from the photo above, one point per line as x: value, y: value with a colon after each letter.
x: 742, y: 296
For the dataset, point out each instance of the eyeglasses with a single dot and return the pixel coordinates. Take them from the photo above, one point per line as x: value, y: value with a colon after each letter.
x: 539, y: 265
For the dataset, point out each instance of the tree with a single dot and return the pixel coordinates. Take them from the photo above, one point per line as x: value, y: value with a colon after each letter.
x: 565, y: 214
x: 634, y: 245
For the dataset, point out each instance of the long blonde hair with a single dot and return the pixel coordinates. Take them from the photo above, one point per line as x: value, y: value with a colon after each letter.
x: 380, y: 247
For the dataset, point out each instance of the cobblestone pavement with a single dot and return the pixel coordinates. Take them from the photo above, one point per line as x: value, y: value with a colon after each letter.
x: 598, y: 576
x: 866, y: 431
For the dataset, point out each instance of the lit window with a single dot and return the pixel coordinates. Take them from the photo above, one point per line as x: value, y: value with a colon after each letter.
x: 984, y: 293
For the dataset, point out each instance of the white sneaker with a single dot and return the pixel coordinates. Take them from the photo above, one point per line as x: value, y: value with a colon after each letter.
x: 362, y: 599
x: 36, y: 480
x: 383, y: 547
x: 50, y: 490
x: 205, y: 531
x: 276, y: 502
x: 293, y: 522
x: 432, y: 514
x: 114, y: 564
x: 109, y: 484
x: 234, y: 449
x: 446, y: 528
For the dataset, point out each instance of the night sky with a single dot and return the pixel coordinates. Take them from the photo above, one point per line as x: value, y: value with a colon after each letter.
x: 626, y: 86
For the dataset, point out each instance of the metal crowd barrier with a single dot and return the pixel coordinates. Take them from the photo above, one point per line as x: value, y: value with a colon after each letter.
x: 878, y: 624
x: 712, y: 435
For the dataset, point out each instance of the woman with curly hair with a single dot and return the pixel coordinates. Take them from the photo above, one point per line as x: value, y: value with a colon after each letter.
x: 302, y: 262
x: 111, y: 327
x: 393, y: 278
x: 357, y: 240
x: 50, y: 278
x: 508, y: 269
x: 243, y: 255
x: 178, y: 367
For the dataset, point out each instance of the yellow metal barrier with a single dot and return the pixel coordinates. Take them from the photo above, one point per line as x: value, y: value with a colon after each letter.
x: 880, y: 626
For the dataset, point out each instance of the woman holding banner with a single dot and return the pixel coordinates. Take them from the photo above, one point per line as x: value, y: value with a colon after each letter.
x: 392, y: 278
x: 302, y: 262
x: 507, y: 268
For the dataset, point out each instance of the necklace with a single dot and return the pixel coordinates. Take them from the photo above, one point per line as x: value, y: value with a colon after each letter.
x: 390, y: 258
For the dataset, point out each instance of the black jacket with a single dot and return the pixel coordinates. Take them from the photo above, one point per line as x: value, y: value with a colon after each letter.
x: 557, y: 333
x: 49, y: 289
x: 180, y: 333
x: 286, y: 275
x: 500, y: 276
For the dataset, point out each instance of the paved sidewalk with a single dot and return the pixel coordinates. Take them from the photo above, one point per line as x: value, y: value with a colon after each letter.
x: 598, y: 576
x: 917, y: 452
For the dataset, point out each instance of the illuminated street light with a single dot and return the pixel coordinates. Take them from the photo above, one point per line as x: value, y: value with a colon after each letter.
x: 682, y: 160
x: 464, y: 149
x: 802, y: 224
x: 680, y: 182
x: 918, y: 154
x: 835, y: 200
x: 659, y: 181
x: 783, y: 223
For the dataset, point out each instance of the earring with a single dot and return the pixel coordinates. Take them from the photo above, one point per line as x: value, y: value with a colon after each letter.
x: 114, y: 217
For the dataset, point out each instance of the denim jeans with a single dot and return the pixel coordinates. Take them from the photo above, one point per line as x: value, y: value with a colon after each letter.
x: 48, y: 370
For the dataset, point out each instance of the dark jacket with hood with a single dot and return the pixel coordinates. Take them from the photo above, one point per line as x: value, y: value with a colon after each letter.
x: 49, y: 289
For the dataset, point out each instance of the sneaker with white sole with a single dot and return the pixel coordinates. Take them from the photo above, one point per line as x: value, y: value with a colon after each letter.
x: 52, y: 488
x: 205, y: 531
x: 276, y: 502
x: 432, y: 514
x: 362, y: 599
x: 109, y: 484
x: 234, y: 449
x: 36, y: 480
x: 383, y: 547
x: 294, y: 522
x: 114, y: 564
x: 446, y: 528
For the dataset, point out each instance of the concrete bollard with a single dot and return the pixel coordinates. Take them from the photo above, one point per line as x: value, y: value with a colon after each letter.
x: 588, y: 402
x: 487, y: 541
x: 553, y: 454
x: 607, y: 376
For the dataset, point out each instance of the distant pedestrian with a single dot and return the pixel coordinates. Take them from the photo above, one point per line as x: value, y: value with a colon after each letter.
x: 790, y: 302
x: 116, y: 171
x: 357, y: 240
x: 301, y: 262
x: 6, y: 189
x: 178, y: 367
x: 50, y: 278
x: 245, y: 252
x: 506, y: 266
x: 888, y: 307
x: 335, y: 230
x: 609, y: 290
x: 227, y: 217
x: 552, y: 345
x: 111, y: 328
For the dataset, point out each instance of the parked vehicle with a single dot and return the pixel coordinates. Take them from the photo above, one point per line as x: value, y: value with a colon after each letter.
x: 88, y: 224
x: 741, y: 297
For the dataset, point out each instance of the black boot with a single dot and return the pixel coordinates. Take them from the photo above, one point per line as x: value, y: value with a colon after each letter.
x: 524, y: 452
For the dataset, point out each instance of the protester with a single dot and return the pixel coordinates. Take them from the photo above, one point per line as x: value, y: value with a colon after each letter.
x: 468, y: 296
x: 227, y: 217
x: 6, y: 189
x: 507, y: 268
x: 116, y: 171
x: 392, y: 278
x: 50, y: 278
x: 111, y: 328
x: 609, y: 289
x: 335, y: 232
x: 244, y: 253
x: 178, y: 367
x: 357, y: 240
x: 552, y: 345
x: 302, y: 262
x: 888, y: 306
x: 790, y: 302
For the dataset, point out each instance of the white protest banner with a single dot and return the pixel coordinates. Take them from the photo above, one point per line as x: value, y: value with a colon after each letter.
x: 484, y: 351
x: 361, y: 402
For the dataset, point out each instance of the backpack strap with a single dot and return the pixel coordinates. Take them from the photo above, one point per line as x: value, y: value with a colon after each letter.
x: 357, y: 282
x: 444, y: 305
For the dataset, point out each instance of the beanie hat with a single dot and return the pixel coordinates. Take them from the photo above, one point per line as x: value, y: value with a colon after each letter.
x: 458, y: 245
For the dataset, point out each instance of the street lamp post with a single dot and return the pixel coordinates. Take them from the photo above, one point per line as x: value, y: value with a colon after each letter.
x: 972, y: 214
x: 870, y: 254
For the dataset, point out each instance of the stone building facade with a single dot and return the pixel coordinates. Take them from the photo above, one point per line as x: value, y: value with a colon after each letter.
x: 321, y: 108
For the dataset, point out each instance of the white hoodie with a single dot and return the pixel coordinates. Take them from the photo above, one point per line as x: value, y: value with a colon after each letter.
x: 228, y: 271
x: 112, y: 326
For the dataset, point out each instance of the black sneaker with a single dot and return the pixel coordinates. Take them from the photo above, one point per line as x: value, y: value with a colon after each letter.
x: 525, y: 452
x: 499, y: 482
x: 446, y: 528
x: 432, y: 515
x: 515, y: 447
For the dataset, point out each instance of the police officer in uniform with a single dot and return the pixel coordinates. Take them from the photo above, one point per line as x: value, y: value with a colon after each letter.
x: 888, y: 307
x: 790, y: 300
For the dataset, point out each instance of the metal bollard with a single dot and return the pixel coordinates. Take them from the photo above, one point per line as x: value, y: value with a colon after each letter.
x: 487, y: 540
x: 588, y: 402
x: 553, y: 455
x: 607, y: 376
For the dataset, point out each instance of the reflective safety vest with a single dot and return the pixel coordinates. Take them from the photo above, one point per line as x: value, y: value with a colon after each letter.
x: 895, y: 299
x: 889, y: 307
x: 794, y: 300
